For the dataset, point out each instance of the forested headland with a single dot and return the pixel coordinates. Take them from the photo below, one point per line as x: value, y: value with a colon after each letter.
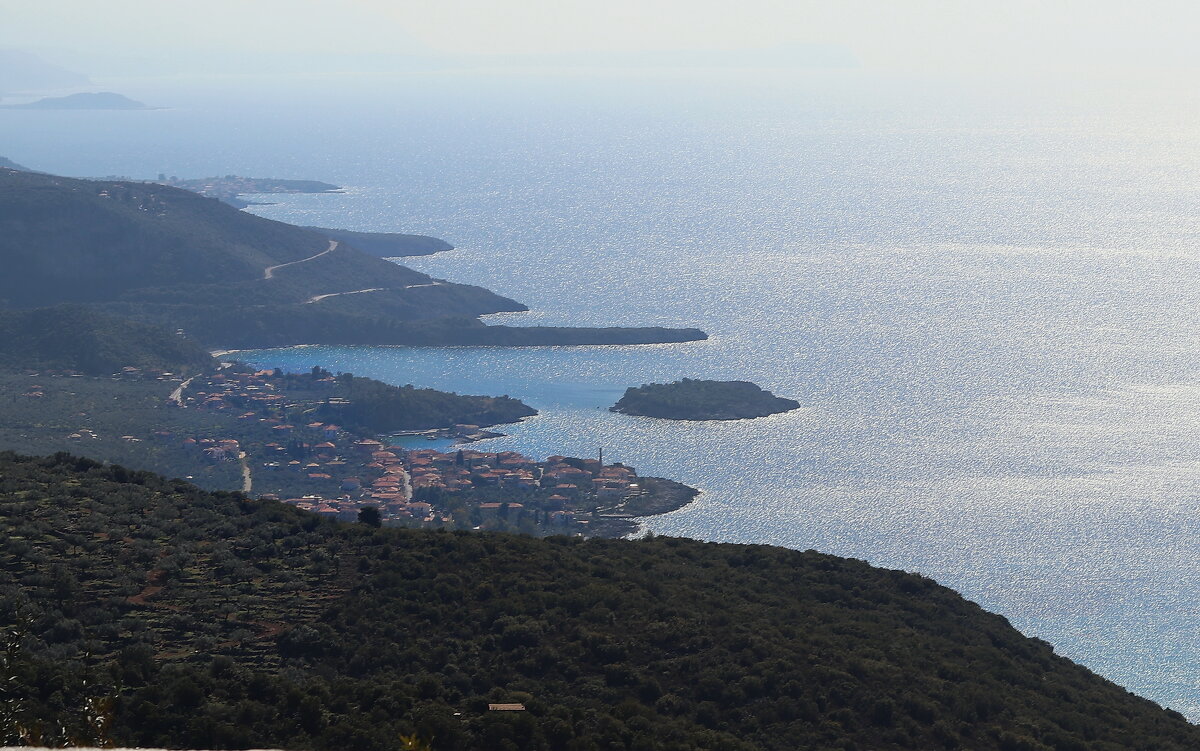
x: 208, y: 620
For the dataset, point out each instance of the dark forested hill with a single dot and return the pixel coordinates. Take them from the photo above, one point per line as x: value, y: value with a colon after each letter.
x: 210, y: 621
x: 78, y: 338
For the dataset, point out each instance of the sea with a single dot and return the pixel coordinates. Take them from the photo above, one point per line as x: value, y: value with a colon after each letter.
x: 984, y: 293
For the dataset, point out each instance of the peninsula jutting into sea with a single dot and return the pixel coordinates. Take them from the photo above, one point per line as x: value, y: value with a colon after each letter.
x: 308, y: 439
x: 231, y: 280
x: 598, y: 378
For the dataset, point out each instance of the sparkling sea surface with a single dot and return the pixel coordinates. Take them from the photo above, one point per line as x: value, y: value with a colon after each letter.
x: 985, y: 298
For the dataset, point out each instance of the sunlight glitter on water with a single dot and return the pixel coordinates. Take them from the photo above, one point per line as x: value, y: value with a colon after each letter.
x: 988, y: 308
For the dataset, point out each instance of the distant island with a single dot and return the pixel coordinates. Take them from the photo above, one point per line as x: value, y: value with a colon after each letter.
x: 691, y: 399
x: 105, y: 100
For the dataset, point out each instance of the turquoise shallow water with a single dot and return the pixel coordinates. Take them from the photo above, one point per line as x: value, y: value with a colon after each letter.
x: 985, y: 301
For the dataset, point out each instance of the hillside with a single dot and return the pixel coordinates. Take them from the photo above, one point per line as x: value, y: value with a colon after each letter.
x: 84, y: 340
x: 10, y: 164
x: 387, y: 244
x: 208, y: 621
x: 131, y: 420
x: 371, y: 407
x: 170, y: 257
x: 66, y: 240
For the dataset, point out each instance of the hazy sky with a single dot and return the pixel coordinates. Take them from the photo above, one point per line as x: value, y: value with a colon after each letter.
x: 902, y: 35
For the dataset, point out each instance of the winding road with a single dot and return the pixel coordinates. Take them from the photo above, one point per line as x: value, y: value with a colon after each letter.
x: 247, y: 481
x: 269, y: 272
x: 319, y: 298
x: 177, y: 395
x: 408, y: 488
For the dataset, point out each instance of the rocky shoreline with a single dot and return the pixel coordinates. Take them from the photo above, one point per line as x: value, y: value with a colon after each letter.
x: 460, y: 434
x: 663, y: 496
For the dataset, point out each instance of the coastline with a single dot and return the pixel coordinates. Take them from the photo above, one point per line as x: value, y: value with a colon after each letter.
x: 527, y: 345
x: 657, y: 495
x: 667, y: 496
x: 615, y: 521
x: 460, y: 435
x: 231, y: 189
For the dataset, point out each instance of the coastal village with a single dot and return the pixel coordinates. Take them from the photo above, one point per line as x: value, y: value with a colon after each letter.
x: 334, y: 472
x: 267, y: 426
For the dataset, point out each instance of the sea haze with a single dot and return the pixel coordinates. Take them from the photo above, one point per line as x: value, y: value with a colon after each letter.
x: 985, y: 299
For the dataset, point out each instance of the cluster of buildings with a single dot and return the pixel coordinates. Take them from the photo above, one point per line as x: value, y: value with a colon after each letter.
x: 327, y: 470
x: 342, y: 509
x: 230, y: 391
x: 275, y: 440
x: 558, y: 488
x: 388, y: 489
x: 257, y: 397
x: 495, y: 485
x: 335, y: 473
x: 567, y: 479
x: 214, y: 450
